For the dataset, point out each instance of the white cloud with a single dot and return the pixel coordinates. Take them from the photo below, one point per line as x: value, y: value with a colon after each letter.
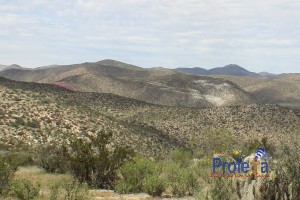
x: 152, y: 32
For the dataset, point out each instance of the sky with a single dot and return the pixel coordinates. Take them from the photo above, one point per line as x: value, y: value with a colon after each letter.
x: 259, y: 35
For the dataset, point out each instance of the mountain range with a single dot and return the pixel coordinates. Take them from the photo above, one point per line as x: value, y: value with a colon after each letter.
x: 192, y: 87
x: 232, y: 69
x: 158, y: 86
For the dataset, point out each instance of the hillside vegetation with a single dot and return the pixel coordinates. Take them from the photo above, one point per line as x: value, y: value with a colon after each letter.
x: 283, y: 89
x: 40, y: 113
x: 109, y: 141
x: 158, y: 86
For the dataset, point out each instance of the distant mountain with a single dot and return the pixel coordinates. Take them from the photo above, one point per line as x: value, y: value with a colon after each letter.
x: 115, y: 63
x: 267, y: 74
x: 13, y: 66
x: 232, y: 69
x: 2, y: 67
x: 158, y: 86
x: 48, y: 66
x: 283, y: 89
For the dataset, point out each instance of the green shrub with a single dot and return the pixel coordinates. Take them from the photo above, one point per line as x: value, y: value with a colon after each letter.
x: 89, y: 161
x: 75, y: 190
x: 145, y: 175
x: 33, y: 123
x: 94, y: 163
x: 68, y: 190
x: 6, y: 176
x: 182, y: 180
x: 54, y: 189
x: 17, y: 158
x: 154, y: 185
x: 24, y: 190
x: 216, y: 140
x: 53, y: 158
x: 19, y: 122
x: 222, y: 188
x: 133, y: 175
x: 286, y: 172
x: 181, y: 156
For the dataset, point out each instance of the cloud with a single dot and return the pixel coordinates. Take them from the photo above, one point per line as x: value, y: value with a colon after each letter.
x: 173, y: 33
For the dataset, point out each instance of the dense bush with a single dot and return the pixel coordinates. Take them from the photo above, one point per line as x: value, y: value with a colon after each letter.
x: 18, y: 158
x: 6, y: 176
x: 134, y: 176
x: 24, y: 190
x: 287, y: 171
x: 92, y: 161
x: 221, y: 188
x: 95, y: 163
x: 52, y: 158
x: 154, y: 177
x: 181, y: 156
x: 33, y: 123
x: 181, y: 180
x: 212, y: 141
x: 154, y: 185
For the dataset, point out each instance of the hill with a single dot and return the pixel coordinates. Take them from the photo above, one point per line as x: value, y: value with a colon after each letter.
x: 158, y: 86
x: 13, y: 66
x: 232, y: 69
x: 267, y: 74
x: 2, y: 67
x: 36, y: 114
x: 283, y: 89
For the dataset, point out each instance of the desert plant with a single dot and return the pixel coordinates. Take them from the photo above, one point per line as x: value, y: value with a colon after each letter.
x: 53, y: 158
x: 6, y: 176
x: 95, y: 163
x: 182, y: 180
x: 154, y: 185
x: 24, y: 190
x: 18, y: 158
x: 54, y: 189
x: 222, y: 189
x: 181, y: 156
x: 33, y: 123
x: 216, y: 140
x: 153, y: 177
x: 133, y: 174
x: 75, y: 190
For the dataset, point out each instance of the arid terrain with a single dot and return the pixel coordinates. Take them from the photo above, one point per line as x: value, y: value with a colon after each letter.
x: 173, y: 122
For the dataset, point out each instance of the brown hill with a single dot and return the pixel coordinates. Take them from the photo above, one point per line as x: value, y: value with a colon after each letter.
x: 34, y: 114
x: 164, y: 87
x: 283, y: 89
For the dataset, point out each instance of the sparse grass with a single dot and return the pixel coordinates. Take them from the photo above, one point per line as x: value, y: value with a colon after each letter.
x: 35, y: 174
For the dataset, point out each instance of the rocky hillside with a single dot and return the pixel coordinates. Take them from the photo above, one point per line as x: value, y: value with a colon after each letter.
x: 158, y: 86
x: 34, y: 114
x: 283, y: 89
x: 232, y: 69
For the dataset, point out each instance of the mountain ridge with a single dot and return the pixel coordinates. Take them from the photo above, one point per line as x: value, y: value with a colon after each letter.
x: 231, y: 69
x: 13, y: 66
x: 164, y: 87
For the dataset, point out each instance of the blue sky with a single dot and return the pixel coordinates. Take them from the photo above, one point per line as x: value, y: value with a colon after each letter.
x: 258, y: 35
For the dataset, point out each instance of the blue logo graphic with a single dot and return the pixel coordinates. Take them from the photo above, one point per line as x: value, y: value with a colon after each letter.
x: 239, y: 166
